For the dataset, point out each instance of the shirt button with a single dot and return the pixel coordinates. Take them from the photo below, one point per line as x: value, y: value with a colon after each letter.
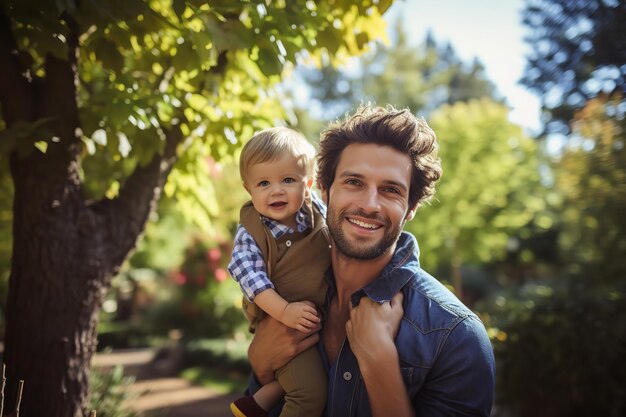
x: 347, y: 376
x: 288, y: 243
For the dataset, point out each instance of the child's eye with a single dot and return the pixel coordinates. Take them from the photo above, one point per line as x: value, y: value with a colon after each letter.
x: 263, y: 183
x: 289, y: 180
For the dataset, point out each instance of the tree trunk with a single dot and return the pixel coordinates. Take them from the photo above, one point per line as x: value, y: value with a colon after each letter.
x: 56, y: 285
x: 65, y: 251
x: 64, y: 255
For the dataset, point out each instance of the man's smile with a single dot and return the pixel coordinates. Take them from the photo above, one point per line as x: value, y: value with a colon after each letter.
x: 364, y: 223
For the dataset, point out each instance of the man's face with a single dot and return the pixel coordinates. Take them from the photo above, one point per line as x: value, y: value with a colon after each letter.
x: 368, y: 200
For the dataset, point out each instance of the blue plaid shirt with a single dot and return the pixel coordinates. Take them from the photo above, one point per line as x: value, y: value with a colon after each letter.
x: 247, y: 265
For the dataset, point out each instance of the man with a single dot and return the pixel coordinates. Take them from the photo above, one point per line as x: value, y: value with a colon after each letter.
x: 395, y: 341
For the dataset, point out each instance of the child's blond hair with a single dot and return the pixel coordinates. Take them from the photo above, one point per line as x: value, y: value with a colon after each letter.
x: 270, y: 144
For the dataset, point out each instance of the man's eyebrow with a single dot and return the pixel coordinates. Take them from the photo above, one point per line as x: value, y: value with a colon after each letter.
x: 350, y: 174
x: 361, y: 176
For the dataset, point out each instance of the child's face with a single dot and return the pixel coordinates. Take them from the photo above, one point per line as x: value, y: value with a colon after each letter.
x: 278, y: 188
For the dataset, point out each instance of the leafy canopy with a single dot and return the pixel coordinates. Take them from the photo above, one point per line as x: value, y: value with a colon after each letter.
x: 147, y: 65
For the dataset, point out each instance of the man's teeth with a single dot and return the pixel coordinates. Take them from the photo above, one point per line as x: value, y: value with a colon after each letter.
x: 363, y: 224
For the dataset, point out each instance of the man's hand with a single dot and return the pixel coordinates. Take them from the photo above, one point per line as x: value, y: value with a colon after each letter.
x: 300, y: 316
x: 373, y: 327
x: 274, y: 345
x: 371, y: 330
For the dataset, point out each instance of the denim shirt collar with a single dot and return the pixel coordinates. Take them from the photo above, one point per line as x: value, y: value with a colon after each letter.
x: 394, y: 276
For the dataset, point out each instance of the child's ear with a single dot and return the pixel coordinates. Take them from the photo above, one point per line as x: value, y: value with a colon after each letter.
x: 246, y: 187
x: 309, y: 183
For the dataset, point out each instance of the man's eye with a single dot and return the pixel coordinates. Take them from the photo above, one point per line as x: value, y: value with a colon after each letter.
x: 352, y: 182
x: 392, y: 190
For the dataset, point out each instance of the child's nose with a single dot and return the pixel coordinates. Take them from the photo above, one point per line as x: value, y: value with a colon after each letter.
x: 277, y: 189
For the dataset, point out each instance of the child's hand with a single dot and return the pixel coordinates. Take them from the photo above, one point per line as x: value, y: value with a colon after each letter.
x: 300, y: 315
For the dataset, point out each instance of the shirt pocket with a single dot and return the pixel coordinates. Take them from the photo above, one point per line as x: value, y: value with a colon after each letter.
x: 413, y: 376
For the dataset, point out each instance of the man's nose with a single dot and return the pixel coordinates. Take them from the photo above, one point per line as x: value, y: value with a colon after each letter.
x: 370, y: 200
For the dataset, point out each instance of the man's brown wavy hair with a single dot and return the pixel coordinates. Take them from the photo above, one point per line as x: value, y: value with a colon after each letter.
x: 385, y: 126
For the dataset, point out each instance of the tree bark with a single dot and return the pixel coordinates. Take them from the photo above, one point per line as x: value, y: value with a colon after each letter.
x: 65, y: 251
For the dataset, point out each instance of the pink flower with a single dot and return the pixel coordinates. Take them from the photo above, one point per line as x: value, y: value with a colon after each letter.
x: 214, y: 254
x: 179, y: 278
x: 220, y: 275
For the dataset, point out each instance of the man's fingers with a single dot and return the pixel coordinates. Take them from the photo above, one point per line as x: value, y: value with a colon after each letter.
x: 397, y: 299
x: 307, y: 342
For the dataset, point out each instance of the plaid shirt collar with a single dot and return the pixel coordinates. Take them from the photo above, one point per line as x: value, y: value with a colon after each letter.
x: 303, y: 222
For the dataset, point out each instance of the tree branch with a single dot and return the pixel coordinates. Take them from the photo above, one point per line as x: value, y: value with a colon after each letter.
x: 126, y: 215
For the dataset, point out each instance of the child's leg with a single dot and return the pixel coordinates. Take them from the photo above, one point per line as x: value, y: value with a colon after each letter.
x: 304, y: 381
x: 260, y: 403
x: 269, y: 395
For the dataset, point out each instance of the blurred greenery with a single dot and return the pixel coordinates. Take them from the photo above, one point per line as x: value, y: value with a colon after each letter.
x: 109, y: 394
x: 578, y: 53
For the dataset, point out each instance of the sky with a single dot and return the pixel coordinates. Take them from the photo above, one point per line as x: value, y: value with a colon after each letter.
x: 490, y: 30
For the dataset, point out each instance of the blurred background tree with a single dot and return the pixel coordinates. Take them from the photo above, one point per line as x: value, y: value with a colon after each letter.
x: 489, y: 192
x: 571, y: 324
x: 578, y: 50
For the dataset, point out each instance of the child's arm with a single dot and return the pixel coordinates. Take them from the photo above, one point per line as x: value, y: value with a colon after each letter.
x: 299, y: 315
x: 247, y: 267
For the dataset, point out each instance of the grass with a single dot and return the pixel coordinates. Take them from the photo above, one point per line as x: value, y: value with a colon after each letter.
x: 221, y: 381
x: 218, y: 364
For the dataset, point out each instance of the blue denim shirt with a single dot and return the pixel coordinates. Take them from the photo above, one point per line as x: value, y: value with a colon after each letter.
x: 446, y: 358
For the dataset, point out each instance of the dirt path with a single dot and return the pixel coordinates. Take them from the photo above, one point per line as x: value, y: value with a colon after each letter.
x: 165, y: 396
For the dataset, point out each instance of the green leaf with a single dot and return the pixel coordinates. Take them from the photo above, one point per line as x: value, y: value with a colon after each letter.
x: 268, y: 62
x: 42, y: 146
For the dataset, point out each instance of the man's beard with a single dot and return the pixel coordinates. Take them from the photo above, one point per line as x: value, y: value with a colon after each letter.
x: 352, y: 249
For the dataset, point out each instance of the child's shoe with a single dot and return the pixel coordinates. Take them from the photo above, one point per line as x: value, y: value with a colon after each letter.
x: 247, y: 407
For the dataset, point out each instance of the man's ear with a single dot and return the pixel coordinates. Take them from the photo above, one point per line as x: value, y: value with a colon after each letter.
x: 410, y: 214
x: 324, y: 194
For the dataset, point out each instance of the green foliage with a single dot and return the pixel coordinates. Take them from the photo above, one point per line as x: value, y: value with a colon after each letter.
x: 560, y: 347
x: 200, y: 298
x: 150, y: 295
x: 147, y: 65
x: 489, y: 189
x: 109, y: 393
x: 578, y: 51
x: 590, y: 178
x: 421, y: 78
x: 221, y: 364
x: 222, y: 382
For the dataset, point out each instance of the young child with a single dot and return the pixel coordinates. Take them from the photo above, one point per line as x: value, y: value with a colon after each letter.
x: 280, y: 255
